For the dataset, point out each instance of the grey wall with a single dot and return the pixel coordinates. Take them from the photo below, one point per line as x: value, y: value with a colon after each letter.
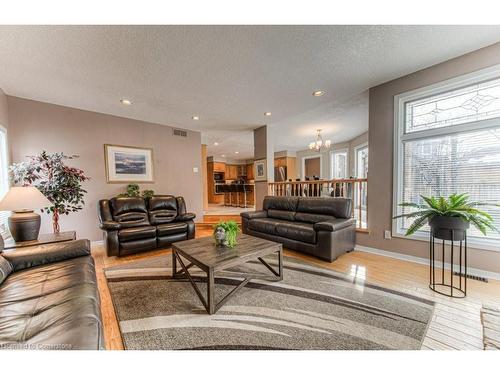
x: 36, y: 126
x: 326, y: 161
x: 381, y: 125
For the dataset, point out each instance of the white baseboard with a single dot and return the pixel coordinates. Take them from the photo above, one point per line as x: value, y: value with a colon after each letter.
x: 414, y: 259
x: 97, y: 243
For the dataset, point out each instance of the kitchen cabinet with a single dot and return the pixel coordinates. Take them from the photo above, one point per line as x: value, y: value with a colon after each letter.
x: 242, y: 170
x: 231, y: 172
x: 211, y: 168
x: 235, y: 171
x: 250, y: 172
x: 219, y: 167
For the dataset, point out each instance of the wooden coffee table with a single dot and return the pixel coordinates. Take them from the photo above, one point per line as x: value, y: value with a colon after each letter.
x: 203, y: 253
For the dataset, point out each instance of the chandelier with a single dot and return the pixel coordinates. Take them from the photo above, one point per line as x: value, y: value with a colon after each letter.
x: 320, y: 145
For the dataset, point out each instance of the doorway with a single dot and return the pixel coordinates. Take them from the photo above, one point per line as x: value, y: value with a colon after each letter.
x: 312, y: 167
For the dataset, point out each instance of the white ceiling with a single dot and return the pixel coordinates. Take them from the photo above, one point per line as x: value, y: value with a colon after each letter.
x: 227, y: 75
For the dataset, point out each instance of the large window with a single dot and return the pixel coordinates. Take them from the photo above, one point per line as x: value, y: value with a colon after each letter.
x: 4, y: 180
x: 448, y: 141
x: 339, y: 163
x: 361, y: 161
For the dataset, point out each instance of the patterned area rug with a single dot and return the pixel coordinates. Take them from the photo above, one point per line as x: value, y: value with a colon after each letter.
x: 312, y: 308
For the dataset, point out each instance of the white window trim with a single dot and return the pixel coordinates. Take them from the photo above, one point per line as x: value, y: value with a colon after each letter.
x: 312, y: 157
x: 332, y: 160
x: 356, y: 149
x: 5, y: 165
x: 5, y: 157
x: 399, y: 136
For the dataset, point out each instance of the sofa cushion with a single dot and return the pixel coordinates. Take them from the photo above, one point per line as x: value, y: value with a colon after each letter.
x: 5, y: 269
x: 162, y: 202
x: 137, y: 233
x: 122, y: 205
x: 162, y: 209
x: 297, y: 231
x: 129, y: 211
x: 171, y: 228
x: 280, y: 203
x: 281, y: 214
x: 53, y: 306
x: 33, y: 256
x: 265, y: 225
x: 338, y: 207
x: 162, y: 216
x: 312, y: 218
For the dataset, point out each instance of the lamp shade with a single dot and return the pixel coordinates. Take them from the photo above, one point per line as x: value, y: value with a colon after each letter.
x: 23, y: 198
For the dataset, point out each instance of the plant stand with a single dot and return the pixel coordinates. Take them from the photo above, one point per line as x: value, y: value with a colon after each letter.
x: 453, y: 288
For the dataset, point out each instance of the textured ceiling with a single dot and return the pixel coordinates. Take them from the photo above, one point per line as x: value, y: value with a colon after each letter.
x: 227, y: 75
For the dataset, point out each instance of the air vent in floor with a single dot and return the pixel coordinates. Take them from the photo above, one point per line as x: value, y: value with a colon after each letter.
x: 180, y: 133
x: 473, y: 277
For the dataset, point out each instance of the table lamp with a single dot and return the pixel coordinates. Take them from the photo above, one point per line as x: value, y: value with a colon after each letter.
x: 24, y: 224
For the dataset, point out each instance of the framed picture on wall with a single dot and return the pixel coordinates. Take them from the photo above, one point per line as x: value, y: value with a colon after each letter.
x: 126, y: 164
x: 260, y: 171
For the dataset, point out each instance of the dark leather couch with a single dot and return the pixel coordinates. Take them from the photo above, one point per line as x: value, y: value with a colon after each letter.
x: 132, y: 224
x: 322, y: 227
x: 49, y: 298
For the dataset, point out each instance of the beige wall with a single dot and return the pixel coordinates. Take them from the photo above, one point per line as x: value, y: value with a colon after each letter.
x: 36, y: 126
x: 381, y: 125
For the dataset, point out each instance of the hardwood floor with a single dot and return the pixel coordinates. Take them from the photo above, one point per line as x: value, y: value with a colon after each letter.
x: 455, y: 325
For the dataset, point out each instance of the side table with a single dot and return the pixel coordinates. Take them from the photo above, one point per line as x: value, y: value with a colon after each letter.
x: 45, y: 238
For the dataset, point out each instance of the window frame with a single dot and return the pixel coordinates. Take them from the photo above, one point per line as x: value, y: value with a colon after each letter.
x: 356, y: 162
x: 4, y: 167
x: 400, y: 137
x: 332, y: 161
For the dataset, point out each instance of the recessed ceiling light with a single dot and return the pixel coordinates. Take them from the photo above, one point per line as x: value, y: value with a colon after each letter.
x: 267, y: 113
x: 195, y: 118
x: 125, y: 102
x: 318, y: 93
x: 223, y: 155
x: 216, y: 143
x: 236, y: 152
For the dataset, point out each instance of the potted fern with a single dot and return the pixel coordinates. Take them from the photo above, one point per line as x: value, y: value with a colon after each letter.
x: 443, y: 215
x: 225, y: 233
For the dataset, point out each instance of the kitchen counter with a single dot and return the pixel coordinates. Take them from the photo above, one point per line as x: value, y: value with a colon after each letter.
x: 240, y: 195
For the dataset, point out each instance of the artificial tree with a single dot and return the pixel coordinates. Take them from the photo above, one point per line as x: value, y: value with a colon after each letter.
x: 60, y: 183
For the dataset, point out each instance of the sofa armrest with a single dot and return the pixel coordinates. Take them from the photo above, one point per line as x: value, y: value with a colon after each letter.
x: 33, y: 256
x: 110, y: 225
x: 254, y: 214
x: 334, y: 225
x: 185, y: 217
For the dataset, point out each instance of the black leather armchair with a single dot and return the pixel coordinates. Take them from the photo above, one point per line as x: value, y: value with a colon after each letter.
x: 322, y: 227
x: 133, y: 224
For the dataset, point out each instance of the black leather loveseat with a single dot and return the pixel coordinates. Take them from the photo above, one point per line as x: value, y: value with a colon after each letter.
x: 133, y: 224
x: 322, y: 227
x: 49, y: 298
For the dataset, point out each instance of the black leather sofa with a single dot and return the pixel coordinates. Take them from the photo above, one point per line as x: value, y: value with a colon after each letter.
x: 133, y: 224
x: 49, y: 298
x: 322, y: 227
